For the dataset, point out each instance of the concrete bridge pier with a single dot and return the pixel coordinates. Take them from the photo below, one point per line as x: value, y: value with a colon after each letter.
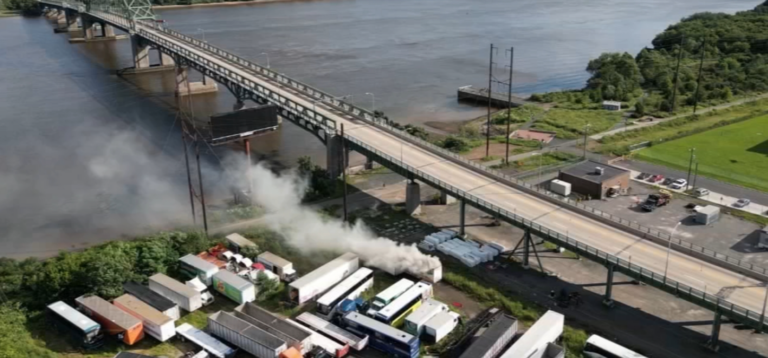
x: 462, y: 218
x: 90, y: 33
x: 67, y: 21
x: 412, y: 197
x: 334, y: 155
x: 446, y: 199
x: 368, y: 164
x: 185, y: 87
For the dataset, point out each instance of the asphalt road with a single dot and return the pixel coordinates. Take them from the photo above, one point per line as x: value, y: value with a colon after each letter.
x: 735, y: 287
x: 702, y: 182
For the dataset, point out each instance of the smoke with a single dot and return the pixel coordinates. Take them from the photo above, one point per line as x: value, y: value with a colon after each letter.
x: 307, y: 230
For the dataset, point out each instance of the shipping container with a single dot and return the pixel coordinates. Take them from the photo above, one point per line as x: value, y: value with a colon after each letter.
x: 237, y: 242
x: 203, y: 340
x: 261, y: 318
x: 194, y: 266
x: 440, y: 325
x: 414, y: 323
x: 156, y: 324
x: 321, y: 279
x: 234, y: 287
x: 533, y: 343
x: 113, y: 320
x: 333, y: 331
x: 493, y: 339
x: 327, y: 344
x: 350, y: 288
x: 184, y: 296
x: 278, y: 265
x: 152, y: 298
x: 245, y: 335
x: 82, y: 329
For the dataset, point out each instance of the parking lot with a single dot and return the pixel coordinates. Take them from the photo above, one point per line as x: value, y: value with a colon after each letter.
x: 730, y: 235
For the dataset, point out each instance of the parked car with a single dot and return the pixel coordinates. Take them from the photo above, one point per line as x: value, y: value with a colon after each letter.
x: 699, y: 192
x: 678, y: 184
x: 741, y: 203
x: 644, y: 176
x: 668, y: 181
x: 656, y: 178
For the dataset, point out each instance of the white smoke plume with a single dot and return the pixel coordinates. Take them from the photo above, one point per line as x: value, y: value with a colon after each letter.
x: 308, y: 231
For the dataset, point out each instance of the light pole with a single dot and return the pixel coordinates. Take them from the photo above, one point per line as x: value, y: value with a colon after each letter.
x: 266, y: 54
x: 586, y: 130
x: 690, y: 164
x: 762, y: 315
x: 203, y: 31
x: 669, y: 248
x: 373, y: 101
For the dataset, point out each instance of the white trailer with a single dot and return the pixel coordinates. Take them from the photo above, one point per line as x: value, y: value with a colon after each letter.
x: 534, y: 342
x: 213, y: 346
x: 156, y: 324
x: 277, y: 326
x: 321, y: 279
x: 440, y: 325
x: 245, y: 335
x: 492, y: 337
x: 197, y: 267
x: 234, y: 287
x: 319, y: 340
x: 277, y: 265
x: 331, y: 330
x: 414, y: 323
x: 152, y: 298
x: 237, y: 242
x: 184, y: 296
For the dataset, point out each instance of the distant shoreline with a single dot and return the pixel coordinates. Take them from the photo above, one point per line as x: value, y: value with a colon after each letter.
x: 224, y: 3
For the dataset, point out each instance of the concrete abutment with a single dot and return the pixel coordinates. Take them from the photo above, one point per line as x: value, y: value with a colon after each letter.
x: 185, y: 87
x: 413, y: 198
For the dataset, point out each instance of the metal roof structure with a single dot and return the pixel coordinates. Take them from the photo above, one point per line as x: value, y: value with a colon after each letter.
x: 247, y: 330
x: 73, y: 316
x: 233, y: 279
x: 587, y: 170
x: 323, y: 270
x: 274, y: 259
x: 240, y: 240
x: 174, y: 285
x: 500, y: 327
x: 149, y: 297
x: 107, y: 310
x: 142, y: 309
x: 267, y: 318
x: 199, y: 263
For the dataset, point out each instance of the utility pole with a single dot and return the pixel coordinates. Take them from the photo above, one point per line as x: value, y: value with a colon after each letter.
x: 690, y: 164
x: 344, y: 169
x: 677, y: 73
x: 696, y: 174
x: 200, y: 181
x: 509, y: 100
x: 698, y: 80
x: 586, y: 128
x: 488, y: 121
x: 189, y: 175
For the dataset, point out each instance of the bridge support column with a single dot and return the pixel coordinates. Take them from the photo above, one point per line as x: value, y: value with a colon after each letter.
x: 714, y: 338
x: 185, y: 87
x: 608, y: 298
x: 412, y: 197
x: 528, y: 244
x: 107, y: 30
x: 446, y: 199
x: 88, y: 25
x: 61, y: 18
x: 140, y: 51
x: 334, y: 152
x: 368, y: 164
x: 462, y: 217
x: 166, y: 60
x: 72, y: 20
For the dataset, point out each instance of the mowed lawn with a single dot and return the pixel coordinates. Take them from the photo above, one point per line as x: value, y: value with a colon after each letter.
x: 737, y: 153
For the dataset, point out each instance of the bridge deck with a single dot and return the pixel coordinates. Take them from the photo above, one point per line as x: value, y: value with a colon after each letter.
x: 735, y: 288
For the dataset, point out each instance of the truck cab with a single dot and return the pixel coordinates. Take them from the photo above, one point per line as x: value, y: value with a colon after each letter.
x: 654, y: 201
x: 201, y: 288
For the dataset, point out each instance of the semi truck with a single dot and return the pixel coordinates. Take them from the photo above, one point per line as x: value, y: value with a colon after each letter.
x: 321, y: 279
x: 237, y: 242
x: 278, y: 265
x: 156, y: 324
x: 184, y: 296
x: 81, y: 328
x: 152, y: 298
x: 233, y: 286
x: 195, y: 266
x: 245, y: 335
x: 202, y: 289
x: 114, y: 321
x: 536, y: 341
x: 203, y: 340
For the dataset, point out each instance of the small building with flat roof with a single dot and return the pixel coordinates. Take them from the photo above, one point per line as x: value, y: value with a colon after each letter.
x: 593, y: 179
x: 612, y: 105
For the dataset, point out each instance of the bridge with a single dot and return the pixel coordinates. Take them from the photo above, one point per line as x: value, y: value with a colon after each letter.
x: 727, y: 286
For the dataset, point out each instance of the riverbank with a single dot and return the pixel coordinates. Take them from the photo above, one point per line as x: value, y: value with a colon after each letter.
x: 223, y: 3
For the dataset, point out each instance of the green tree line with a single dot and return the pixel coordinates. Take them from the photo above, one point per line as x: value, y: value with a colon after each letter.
x: 731, y: 51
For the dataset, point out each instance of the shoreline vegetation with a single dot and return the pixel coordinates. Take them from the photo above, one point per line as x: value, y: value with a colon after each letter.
x: 166, y: 5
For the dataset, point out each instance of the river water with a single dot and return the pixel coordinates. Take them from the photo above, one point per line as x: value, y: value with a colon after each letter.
x: 88, y: 156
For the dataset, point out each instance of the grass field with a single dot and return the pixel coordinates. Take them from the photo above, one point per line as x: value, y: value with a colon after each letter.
x: 570, y: 123
x: 737, y: 153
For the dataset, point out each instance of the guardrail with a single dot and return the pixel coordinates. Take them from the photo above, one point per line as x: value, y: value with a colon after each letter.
x: 647, y: 276
x: 328, y: 99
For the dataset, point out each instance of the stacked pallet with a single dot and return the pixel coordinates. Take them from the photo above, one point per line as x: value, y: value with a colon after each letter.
x: 470, y: 253
x: 431, y: 241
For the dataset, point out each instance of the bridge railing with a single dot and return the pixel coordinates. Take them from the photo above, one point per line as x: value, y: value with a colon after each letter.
x: 369, y: 116
x: 573, y: 244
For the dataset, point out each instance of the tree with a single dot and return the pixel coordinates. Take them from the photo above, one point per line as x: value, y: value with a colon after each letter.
x: 15, y: 341
x: 25, y: 6
x: 250, y: 251
x: 455, y: 144
x: 639, y: 108
x: 267, y: 287
x: 615, y: 75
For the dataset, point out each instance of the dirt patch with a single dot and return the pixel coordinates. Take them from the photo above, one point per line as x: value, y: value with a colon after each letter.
x: 447, y: 127
x: 497, y: 150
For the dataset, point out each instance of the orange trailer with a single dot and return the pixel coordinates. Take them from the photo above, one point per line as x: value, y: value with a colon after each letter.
x: 113, y: 320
